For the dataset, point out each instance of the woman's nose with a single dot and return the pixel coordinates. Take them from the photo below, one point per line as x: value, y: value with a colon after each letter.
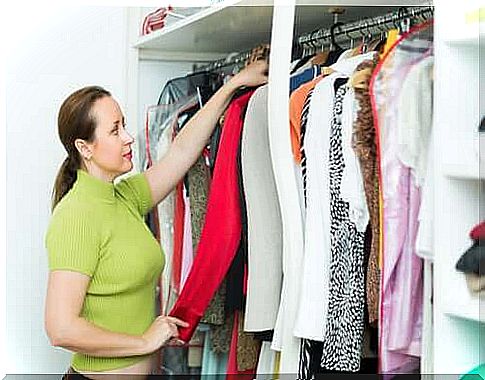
x: 128, y: 138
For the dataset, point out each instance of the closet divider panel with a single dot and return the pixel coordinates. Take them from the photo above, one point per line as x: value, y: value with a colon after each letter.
x: 284, y: 169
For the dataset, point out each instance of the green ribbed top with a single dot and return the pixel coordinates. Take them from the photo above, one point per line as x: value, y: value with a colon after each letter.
x: 98, y: 229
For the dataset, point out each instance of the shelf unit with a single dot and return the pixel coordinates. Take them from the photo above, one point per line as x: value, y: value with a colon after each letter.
x: 459, y: 316
x: 232, y: 26
x: 468, y: 24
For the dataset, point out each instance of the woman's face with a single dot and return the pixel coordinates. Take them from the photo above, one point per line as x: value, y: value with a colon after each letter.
x: 111, y: 149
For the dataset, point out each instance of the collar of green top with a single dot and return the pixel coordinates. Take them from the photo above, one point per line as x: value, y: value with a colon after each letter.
x: 94, y: 187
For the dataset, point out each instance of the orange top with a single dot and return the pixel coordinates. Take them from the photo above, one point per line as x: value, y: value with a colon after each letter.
x: 297, y: 100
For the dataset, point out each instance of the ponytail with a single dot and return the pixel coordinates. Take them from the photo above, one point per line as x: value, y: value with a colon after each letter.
x: 66, y: 176
x: 75, y: 121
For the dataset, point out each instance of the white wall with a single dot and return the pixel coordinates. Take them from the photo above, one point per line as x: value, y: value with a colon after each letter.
x: 57, y: 50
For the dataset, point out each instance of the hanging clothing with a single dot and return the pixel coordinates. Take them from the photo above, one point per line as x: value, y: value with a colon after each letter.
x: 265, y: 241
x: 203, y: 84
x: 198, y: 178
x: 352, y: 186
x: 345, y: 316
x: 415, y: 144
x: 158, y: 118
x: 166, y: 210
x: 222, y: 228
x: 312, y: 311
x: 415, y: 118
x: 187, y: 250
x: 232, y: 366
x: 364, y: 145
x: 392, y: 37
x: 213, y: 365
x: 221, y: 334
x: 304, y: 122
x: 266, y: 362
x: 297, y: 100
x: 248, y: 347
x: 178, y: 237
x: 199, y: 184
x: 307, y: 75
x: 401, y: 288
x: 236, y: 277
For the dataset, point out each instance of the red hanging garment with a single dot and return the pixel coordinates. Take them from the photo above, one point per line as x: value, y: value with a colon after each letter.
x: 222, y: 229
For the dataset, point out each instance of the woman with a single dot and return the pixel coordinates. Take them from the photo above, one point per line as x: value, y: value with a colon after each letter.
x: 104, y: 262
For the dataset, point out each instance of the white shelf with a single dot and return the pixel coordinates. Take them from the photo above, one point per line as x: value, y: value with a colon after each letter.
x: 470, y: 35
x: 463, y: 171
x: 214, y: 30
x: 469, y: 307
x: 468, y: 24
x: 240, y: 25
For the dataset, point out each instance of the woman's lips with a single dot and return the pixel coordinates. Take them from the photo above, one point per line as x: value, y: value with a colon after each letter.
x: 128, y: 156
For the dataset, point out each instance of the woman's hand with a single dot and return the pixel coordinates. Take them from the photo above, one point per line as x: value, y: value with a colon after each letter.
x: 255, y: 74
x: 162, y: 330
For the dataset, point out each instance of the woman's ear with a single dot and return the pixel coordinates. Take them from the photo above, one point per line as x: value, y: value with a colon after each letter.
x: 83, y: 148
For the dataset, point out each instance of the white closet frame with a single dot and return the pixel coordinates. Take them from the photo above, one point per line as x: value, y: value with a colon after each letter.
x: 459, y: 336
x: 459, y: 318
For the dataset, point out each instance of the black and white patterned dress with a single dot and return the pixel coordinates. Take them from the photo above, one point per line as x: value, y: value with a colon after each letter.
x: 341, y: 349
x: 345, y: 317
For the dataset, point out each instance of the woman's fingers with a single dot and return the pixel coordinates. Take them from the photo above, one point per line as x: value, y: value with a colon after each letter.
x: 177, y: 321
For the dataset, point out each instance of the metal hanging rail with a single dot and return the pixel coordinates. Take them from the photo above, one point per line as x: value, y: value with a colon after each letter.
x: 366, y: 24
x: 225, y: 62
x: 323, y: 35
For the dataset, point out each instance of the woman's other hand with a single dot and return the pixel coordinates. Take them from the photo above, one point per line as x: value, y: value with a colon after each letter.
x: 162, y: 330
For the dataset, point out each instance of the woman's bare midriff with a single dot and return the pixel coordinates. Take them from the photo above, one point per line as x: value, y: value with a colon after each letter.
x: 137, y: 371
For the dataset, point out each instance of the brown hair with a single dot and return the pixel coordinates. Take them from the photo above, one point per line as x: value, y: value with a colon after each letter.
x: 75, y: 121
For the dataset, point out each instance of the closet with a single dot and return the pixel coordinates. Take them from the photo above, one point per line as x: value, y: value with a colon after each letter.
x: 453, y: 319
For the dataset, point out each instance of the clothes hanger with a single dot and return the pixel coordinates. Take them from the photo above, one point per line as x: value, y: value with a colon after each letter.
x: 355, y: 49
x: 378, y: 43
x: 320, y: 57
x: 333, y: 44
x: 366, y: 38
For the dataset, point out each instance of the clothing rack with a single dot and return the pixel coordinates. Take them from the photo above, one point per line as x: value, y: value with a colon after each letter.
x: 231, y: 60
x: 323, y: 36
x: 378, y: 23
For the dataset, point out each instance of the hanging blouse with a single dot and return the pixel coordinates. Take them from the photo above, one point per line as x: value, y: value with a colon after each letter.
x: 401, y: 317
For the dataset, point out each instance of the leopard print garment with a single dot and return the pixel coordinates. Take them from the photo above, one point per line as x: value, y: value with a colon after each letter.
x: 364, y: 145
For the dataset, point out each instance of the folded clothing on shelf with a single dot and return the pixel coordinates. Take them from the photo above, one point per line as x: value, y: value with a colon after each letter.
x: 155, y: 20
x: 472, y: 262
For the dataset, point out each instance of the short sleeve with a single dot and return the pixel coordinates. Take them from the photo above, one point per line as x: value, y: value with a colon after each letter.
x: 136, y: 191
x: 72, y: 243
